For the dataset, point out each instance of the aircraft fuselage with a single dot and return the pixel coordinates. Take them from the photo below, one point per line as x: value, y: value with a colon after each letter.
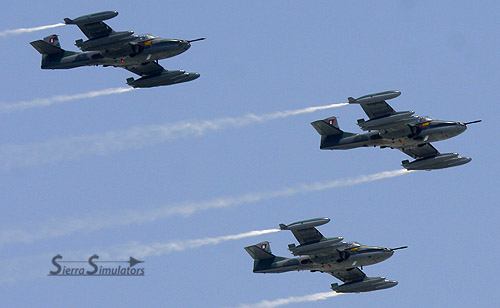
x: 359, y: 256
x: 414, y: 135
x: 132, y: 54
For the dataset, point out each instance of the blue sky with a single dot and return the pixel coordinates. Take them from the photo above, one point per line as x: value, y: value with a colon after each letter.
x: 261, y: 58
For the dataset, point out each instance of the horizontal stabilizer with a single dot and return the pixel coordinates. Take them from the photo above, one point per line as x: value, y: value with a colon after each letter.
x: 260, y: 251
x: 46, y: 48
x: 327, y: 127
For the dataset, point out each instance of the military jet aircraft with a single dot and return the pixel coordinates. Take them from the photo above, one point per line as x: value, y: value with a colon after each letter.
x: 396, y: 130
x: 136, y: 53
x: 326, y: 255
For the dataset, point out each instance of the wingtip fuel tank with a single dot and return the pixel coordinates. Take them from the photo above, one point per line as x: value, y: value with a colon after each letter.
x: 304, y: 224
x: 366, y: 285
x: 91, y: 18
x: 164, y: 79
x: 375, y: 97
x: 440, y: 161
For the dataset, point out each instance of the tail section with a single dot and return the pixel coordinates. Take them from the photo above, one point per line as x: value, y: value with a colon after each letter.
x: 327, y: 127
x: 48, y: 46
x: 265, y: 262
x: 260, y: 251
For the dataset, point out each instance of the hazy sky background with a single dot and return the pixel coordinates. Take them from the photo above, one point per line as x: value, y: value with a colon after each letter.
x: 148, y: 173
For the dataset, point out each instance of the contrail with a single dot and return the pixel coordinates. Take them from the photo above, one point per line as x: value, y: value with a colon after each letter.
x: 31, y: 232
x: 139, y: 250
x: 43, y: 102
x: 27, y: 30
x: 12, y: 156
x: 29, y: 268
x: 291, y: 300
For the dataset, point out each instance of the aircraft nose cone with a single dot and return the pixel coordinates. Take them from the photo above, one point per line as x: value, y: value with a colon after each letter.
x: 388, y: 253
x: 383, y: 254
x: 462, y: 126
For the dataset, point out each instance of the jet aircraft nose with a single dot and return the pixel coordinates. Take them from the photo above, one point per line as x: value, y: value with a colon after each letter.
x: 466, y: 159
x: 388, y: 252
x: 382, y: 254
x: 462, y: 126
x: 185, y: 45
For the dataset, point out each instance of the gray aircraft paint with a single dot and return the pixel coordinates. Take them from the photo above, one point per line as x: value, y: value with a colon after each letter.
x: 326, y: 255
x: 403, y: 130
x: 136, y: 53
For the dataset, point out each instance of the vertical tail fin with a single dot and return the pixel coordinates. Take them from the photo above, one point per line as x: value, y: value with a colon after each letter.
x: 327, y: 127
x: 53, y: 40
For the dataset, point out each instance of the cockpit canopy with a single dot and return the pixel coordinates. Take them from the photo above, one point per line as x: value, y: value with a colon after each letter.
x: 424, y: 119
x: 146, y: 37
x: 353, y: 245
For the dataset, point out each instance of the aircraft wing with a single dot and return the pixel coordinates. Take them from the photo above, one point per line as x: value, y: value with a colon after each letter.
x: 146, y: 69
x: 305, y: 231
x: 308, y: 235
x: 349, y: 275
x: 378, y: 109
x: 375, y: 105
x: 422, y: 151
x: 92, y: 25
x: 95, y: 30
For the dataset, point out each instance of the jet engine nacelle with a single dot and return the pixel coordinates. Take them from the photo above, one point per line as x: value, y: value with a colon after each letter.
x: 107, y: 42
x: 308, y: 249
x: 164, y: 79
x: 440, y: 161
x: 366, y: 285
x: 400, y: 118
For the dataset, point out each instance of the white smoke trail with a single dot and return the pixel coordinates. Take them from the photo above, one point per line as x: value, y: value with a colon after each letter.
x: 29, y: 268
x: 12, y: 156
x: 31, y: 232
x: 27, y: 30
x: 43, y: 102
x: 139, y: 250
x: 291, y: 300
